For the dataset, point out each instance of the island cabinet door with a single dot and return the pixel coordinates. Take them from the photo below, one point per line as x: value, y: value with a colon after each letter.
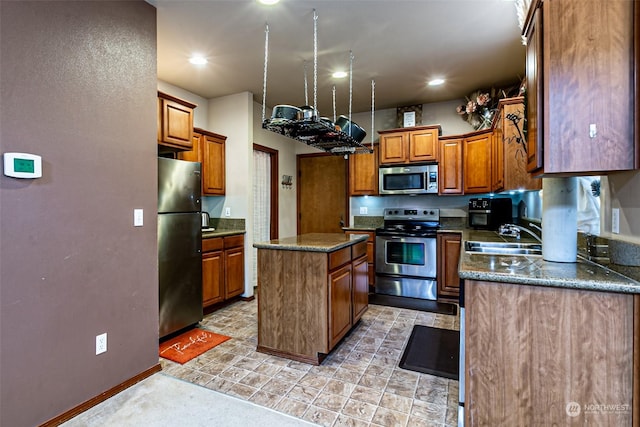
x: 360, y: 287
x: 339, y: 304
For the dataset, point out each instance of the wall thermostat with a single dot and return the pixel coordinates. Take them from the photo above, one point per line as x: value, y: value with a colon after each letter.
x: 22, y: 165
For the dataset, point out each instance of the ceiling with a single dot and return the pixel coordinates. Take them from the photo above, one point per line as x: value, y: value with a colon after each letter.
x: 399, y: 44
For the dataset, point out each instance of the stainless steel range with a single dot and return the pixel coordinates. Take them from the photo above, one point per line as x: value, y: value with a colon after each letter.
x: 406, y: 258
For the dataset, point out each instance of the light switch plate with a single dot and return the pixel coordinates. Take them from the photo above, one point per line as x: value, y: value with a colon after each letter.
x: 363, y: 210
x: 138, y: 217
x: 227, y: 211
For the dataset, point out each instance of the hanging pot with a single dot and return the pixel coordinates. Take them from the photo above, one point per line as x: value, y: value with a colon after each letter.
x: 350, y: 128
x: 327, y: 122
x: 308, y: 114
x: 284, y: 113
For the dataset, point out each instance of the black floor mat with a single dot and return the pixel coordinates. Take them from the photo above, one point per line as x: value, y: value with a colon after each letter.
x: 414, y: 304
x: 432, y: 351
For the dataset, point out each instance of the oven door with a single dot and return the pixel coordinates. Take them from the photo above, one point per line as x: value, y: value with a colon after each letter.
x: 406, y: 256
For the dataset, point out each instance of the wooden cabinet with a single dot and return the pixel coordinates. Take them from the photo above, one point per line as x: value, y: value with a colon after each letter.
x: 212, y: 272
x: 175, y: 123
x: 409, y: 145
x: 222, y: 269
x: 371, y: 255
x: 233, y: 266
x: 581, y: 97
x: 509, y: 166
x: 363, y: 173
x: 360, y: 287
x: 477, y: 157
x: 339, y: 304
x: 449, y: 245
x: 209, y: 149
x: 305, y: 316
x: 532, y: 351
x: 450, y: 166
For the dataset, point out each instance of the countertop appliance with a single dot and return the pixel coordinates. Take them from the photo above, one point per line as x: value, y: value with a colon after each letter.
x: 179, y: 244
x: 489, y: 213
x: 406, y: 257
x: 418, y: 179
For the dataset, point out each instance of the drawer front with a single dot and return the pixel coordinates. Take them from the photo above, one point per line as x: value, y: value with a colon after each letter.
x: 214, y: 244
x: 358, y: 250
x: 339, y: 257
x: 233, y: 241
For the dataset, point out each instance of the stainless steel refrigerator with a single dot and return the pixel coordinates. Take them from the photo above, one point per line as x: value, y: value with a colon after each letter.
x: 179, y: 244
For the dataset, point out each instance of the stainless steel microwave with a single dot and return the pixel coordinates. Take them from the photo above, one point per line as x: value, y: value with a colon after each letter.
x: 419, y: 179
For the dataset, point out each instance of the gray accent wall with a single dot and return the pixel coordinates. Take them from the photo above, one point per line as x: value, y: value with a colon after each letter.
x: 77, y: 87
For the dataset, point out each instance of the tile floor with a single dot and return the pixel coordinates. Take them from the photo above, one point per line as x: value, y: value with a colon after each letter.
x: 358, y: 384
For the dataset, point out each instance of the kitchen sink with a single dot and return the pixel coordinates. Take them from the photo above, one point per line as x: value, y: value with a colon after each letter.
x: 503, y: 248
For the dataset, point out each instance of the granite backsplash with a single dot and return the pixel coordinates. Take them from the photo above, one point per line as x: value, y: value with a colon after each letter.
x: 227, y: 223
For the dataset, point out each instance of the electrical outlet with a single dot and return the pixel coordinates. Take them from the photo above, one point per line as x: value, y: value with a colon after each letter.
x: 227, y: 211
x: 363, y: 210
x: 615, y: 220
x: 101, y: 343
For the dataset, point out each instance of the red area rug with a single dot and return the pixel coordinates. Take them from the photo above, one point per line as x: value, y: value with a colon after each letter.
x: 191, y: 344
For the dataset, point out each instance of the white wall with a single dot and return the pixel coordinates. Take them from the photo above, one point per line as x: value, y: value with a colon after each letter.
x: 621, y: 190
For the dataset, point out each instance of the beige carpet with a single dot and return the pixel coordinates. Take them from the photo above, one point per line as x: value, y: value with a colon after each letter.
x: 161, y: 400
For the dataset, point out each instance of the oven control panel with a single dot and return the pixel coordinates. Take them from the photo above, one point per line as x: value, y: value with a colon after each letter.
x: 420, y: 214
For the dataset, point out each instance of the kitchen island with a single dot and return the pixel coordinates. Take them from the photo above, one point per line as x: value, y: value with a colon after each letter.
x: 312, y: 289
x: 549, y: 343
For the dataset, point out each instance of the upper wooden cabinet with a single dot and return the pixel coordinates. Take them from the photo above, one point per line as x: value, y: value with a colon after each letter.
x: 450, y: 166
x: 581, y: 97
x: 409, y: 145
x: 175, y: 123
x: 509, y: 168
x: 209, y: 149
x: 477, y: 159
x: 363, y: 173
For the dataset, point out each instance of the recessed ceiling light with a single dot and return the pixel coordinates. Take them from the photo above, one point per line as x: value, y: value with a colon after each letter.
x: 268, y: 2
x: 340, y: 74
x: 198, y: 60
x: 436, y: 82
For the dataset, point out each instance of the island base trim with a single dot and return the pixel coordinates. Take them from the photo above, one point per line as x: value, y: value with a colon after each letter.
x: 292, y: 356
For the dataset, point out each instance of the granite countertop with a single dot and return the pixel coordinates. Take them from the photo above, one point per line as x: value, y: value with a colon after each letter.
x: 211, y: 233
x: 313, y: 242
x: 359, y: 228
x: 533, y: 270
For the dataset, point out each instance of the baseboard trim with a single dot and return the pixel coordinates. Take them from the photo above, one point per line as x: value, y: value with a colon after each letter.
x: 66, y: 416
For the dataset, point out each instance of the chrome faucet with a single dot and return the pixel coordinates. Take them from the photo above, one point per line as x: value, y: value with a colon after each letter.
x: 513, y: 230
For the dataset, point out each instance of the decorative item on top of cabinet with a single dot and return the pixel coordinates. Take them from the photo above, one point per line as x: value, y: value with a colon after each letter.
x: 409, y: 145
x: 450, y: 166
x: 584, y: 111
x: 449, y: 245
x: 208, y: 149
x: 510, y: 150
x: 363, y: 173
x: 175, y: 123
x: 477, y: 157
x: 222, y: 269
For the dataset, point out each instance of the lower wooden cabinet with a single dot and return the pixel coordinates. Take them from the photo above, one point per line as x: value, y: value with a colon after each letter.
x: 305, y: 316
x: 371, y: 254
x: 449, y: 245
x: 222, y: 269
x: 544, y: 356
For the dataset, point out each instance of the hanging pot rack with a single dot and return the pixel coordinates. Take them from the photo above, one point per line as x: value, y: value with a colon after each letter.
x: 315, y: 133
